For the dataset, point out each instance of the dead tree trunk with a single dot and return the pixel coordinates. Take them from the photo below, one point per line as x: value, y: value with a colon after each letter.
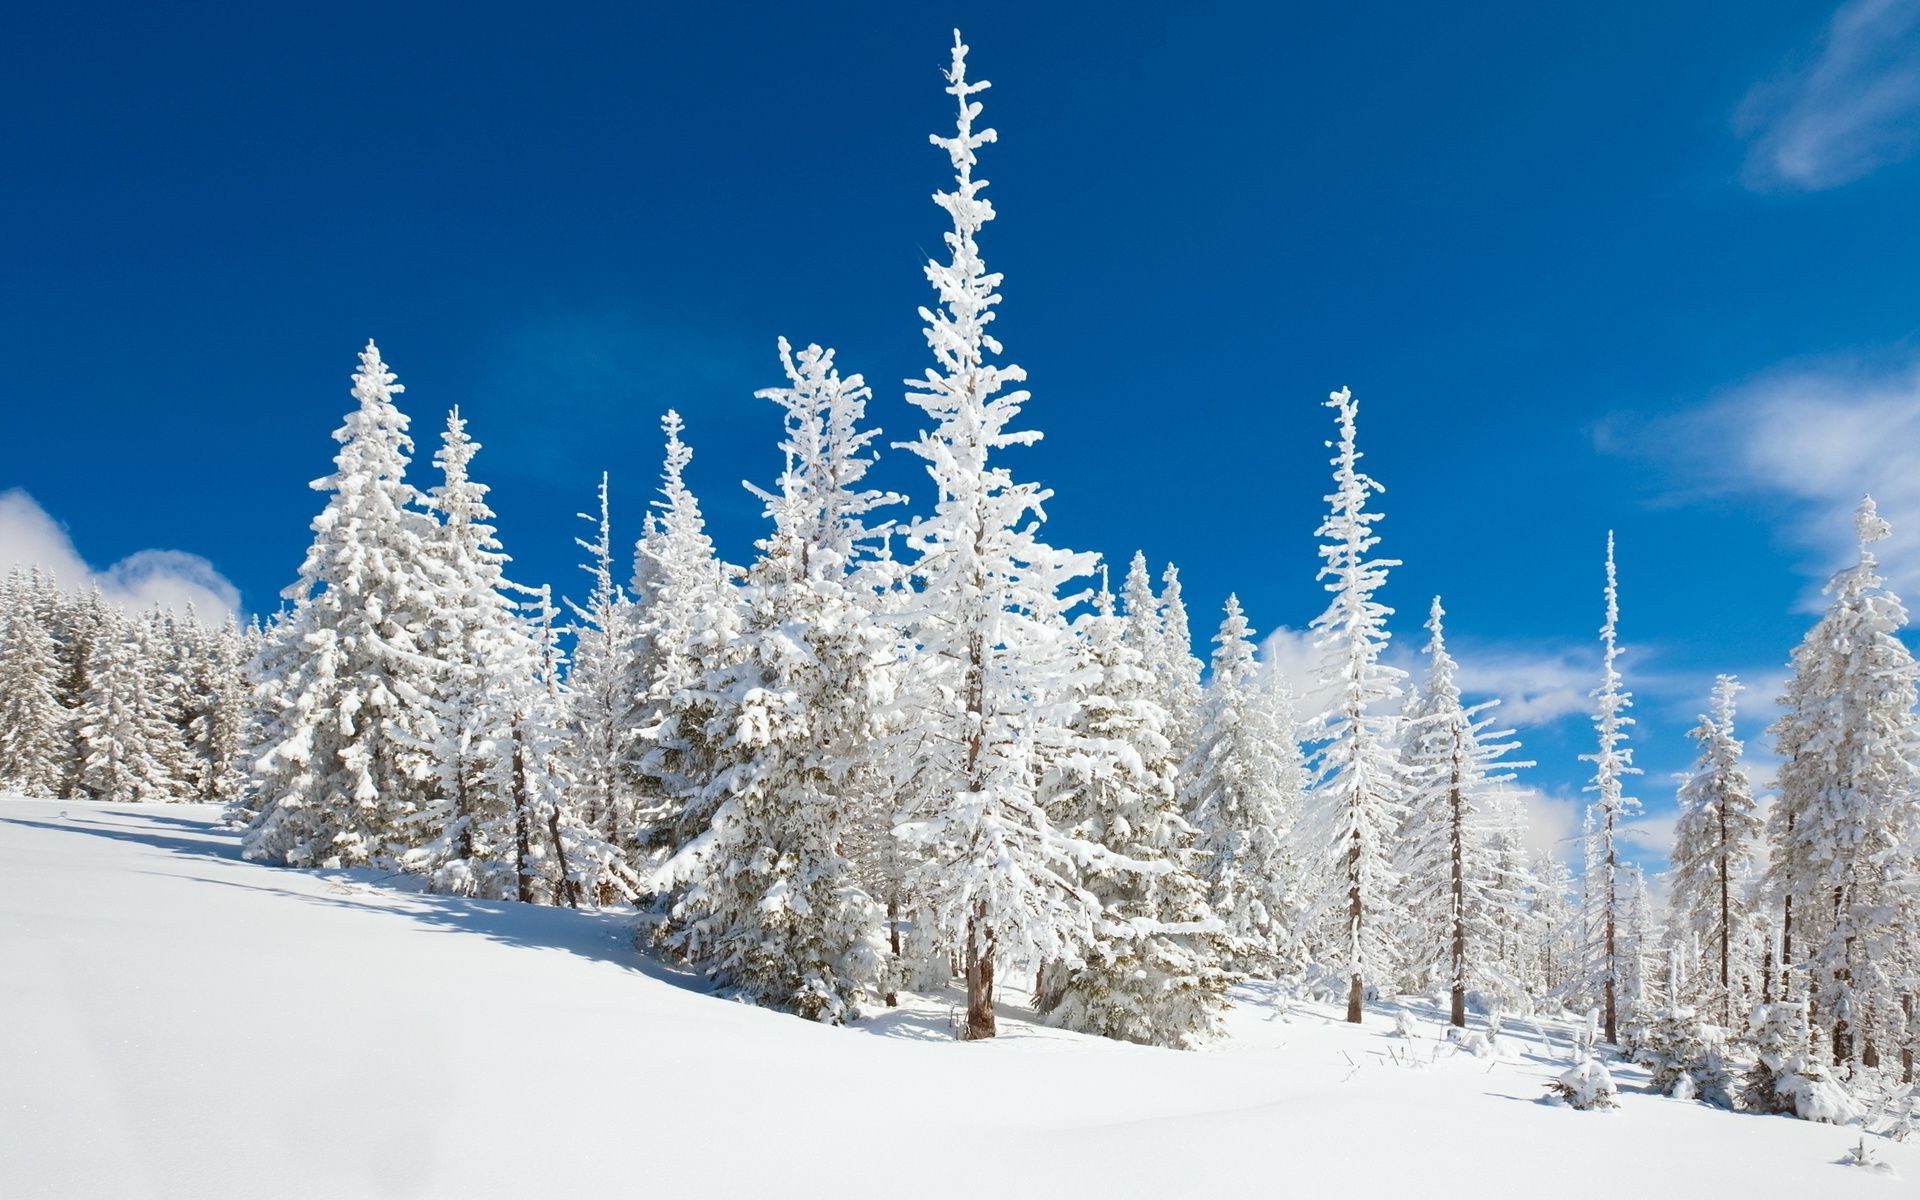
x: 1457, y: 855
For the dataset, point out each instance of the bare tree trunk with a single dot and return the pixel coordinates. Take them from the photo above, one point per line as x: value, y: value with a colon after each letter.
x: 1613, y: 968
x: 1458, y: 852
x: 980, y: 1021
x: 1726, y: 926
x: 1906, y: 1049
x: 568, y: 887
x: 1356, y: 993
x: 522, y: 839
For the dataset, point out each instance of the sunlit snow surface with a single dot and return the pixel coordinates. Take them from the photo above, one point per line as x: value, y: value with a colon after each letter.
x: 175, y: 1022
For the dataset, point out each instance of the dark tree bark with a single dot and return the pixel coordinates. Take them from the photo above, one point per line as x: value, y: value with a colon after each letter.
x: 1458, y: 852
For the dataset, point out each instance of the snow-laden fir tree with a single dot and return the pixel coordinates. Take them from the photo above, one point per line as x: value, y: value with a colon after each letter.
x: 1242, y: 788
x: 599, y: 748
x: 1360, y: 781
x: 347, y: 722
x: 1176, y: 664
x: 1844, y: 827
x: 686, y: 620
x: 562, y: 858
x: 769, y: 901
x: 218, y: 729
x: 121, y: 737
x: 1788, y: 1075
x: 463, y: 842
x: 1716, y: 842
x: 34, y: 733
x: 1455, y: 900
x: 1613, y: 762
x: 1554, y: 921
x: 76, y: 624
x: 1157, y: 629
x: 1155, y: 975
x: 996, y: 880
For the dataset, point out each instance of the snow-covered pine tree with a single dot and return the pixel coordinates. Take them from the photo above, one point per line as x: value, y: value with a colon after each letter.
x: 1454, y: 903
x: 1242, y: 788
x: 1554, y: 922
x: 463, y: 842
x: 1359, y: 776
x: 1613, y: 761
x: 562, y: 858
x: 996, y: 881
x: 1176, y: 665
x: 1716, y: 842
x: 770, y: 903
x: 1155, y: 975
x: 34, y: 734
x: 219, y: 729
x: 347, y: 722
x: 169, y: 649
x: 75, y: 622
x: 1157, y: 629
x: 599, y: 745
x: 1843, y: 831
x: 120, y: 737
x: 687, y: 619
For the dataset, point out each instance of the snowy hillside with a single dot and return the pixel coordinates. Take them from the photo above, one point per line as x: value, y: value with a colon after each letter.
x: 175, y: 1022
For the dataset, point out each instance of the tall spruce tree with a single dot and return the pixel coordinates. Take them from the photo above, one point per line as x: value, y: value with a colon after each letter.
x: 996, y: 882
x: 599, y: 745
x: 687, y: 619
x: 1843, y: 831
x: 1613, y: 762
x: 34, y: 731
x: 770, y: 902
x: 1716, y: 843
x: 1359, y: 777
x: 1154, y: 976
x: 347, y: 723
x: 1456, y: 899
x: 1242, y: 787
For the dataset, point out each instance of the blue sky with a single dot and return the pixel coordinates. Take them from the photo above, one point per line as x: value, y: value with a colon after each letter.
x: 1647, y: 269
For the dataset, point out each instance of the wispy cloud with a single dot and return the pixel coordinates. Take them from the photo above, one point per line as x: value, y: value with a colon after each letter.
x: 1854, y: 109
x: 1815, y: 436
x: 29, y: 537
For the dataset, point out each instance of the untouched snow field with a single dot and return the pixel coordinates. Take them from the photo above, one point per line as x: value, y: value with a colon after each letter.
x: 175, y: 1022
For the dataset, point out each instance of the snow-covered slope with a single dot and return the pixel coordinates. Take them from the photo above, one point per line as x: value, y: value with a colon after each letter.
x: 175, y: 1022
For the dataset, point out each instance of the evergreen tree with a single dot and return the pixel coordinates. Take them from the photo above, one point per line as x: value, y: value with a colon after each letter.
x: 771, y: 903
x: 1242, y: 787
x: 687, y: 620
x: 1716, y: 842
x: 1613, y: 761
x: 120, y: 738
x: 1455, y: 901
x: 599, y: 723
x: 347, y: 722
x: 1359, y: 778
x: 1154, y: 975
x: 1843, y: 832
x: 464, y: 841
x: 1176, y: 665
x: 33, y: 724
x: 996, y: 880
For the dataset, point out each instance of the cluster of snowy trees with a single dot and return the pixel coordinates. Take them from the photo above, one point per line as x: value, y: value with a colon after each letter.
x: 897, y: 747
x: 900, y: 748
x: 1814, y: 905
x: 101, y: 704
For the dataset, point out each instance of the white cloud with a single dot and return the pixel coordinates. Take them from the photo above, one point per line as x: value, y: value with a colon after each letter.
x: 29, y: 537
x: 1818, y: 435
x: 1535, y: 687
x: 1855, y: 109
x: 1553, y: 822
